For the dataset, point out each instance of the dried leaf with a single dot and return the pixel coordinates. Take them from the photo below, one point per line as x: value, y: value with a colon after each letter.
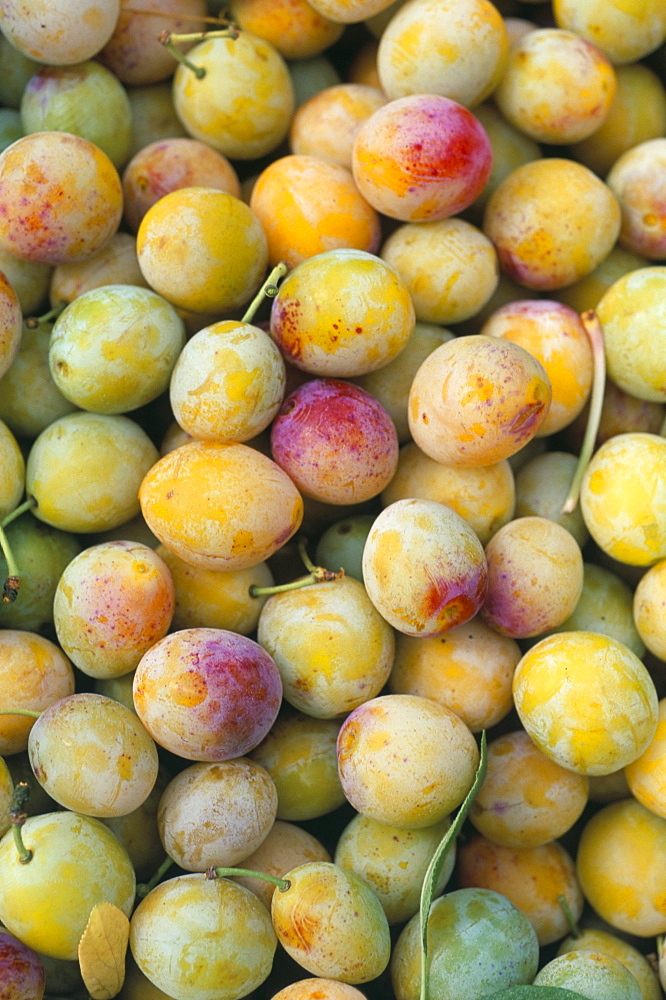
x: 102, y: 951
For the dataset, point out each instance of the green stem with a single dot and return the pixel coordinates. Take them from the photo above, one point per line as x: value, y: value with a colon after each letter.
x: 143, y: 888
x: 34, y: 321
x: 28, y: 504
x: 32, y: 714
x: 571, y: 920
x: 17, y: 817
x: 214, y: 872
x: 319, y: 575
x: 594, y: 331
x: 12, y: 582
x: 269, y: 289
x: 170, y: 40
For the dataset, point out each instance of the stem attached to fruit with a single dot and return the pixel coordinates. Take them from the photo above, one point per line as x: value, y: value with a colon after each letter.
x: 595, y: 333
x: 12, y: 582
x: 170, y: 40
x: 317, y: 574
x: 17, y: 817
x: 28, y: 504
x: 282, y: 883
x: 143, y: 888
x: 33, y: 322
x: 269, y: 290
x: 571, y: 920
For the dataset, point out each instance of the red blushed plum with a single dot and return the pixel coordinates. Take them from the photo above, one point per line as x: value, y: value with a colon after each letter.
x: 421, y: 157
x: 335, y: 441
x: 424, y: 568
x: 207, y: 694
x: 21, y: 970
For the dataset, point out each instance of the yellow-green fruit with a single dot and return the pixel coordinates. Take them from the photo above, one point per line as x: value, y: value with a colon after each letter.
x: 12, y: 471
x: 77, y: 862
x: 592, y: 939
x: 561, y: 692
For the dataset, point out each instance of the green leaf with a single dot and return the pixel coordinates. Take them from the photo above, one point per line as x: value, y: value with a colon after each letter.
x: 534, y: 993
x: 439, y: 857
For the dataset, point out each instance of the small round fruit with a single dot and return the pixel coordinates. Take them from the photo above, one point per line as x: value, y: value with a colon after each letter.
x: 597, y: 975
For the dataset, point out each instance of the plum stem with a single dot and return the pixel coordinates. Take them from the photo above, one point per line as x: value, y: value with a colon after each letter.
x: 269, y: 290
x: 595, y: 334
x: 170, y: 40
x: 214, y: 872
x: 571, y: 920
x: 143, y: 888
x: 316, y: 574
x: 17, y: 817
x: 33, y: 322
x: 12, y: 583
x: 28, y: 504
x: 31, y: 713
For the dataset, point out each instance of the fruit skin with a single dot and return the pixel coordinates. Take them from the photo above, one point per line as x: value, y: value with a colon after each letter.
x: 560, y: 692
x: 478, y: 942
x: 21, y: 970
x: 200, y: 939
x: 598, y: 975
x: 332, y: 923
x: 592, y: 939
x: 77, y: 862
x: 207, y: 694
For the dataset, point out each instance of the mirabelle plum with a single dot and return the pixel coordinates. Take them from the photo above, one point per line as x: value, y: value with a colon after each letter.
x: 598, y: 975
x: 113, y: 349
x: 34, y: 673
x: 202, y: 249
x: 393, y: 861
x: 424, y: 567
x: 86, y: 100
x: 335, y: 441
x: 555, y: 335
x: 73, y: 192
x: 557, y: 87
x: 449, y: 267
x: 68, y: 33
x: 220, y: 506
x: 637, y: 181
x: 318, y: 989
x: 420, y: 158
x: 405, y: 760
x: 341, y: 545
x: 309, y: 76
x: 168, y: 165
x: 552, y: 222
x: 294, y: 27
x: 216, y: 813
x: 621, y: 849
x: 207, y: 694
x: 456, y: 49
x: 102, y: 458
x: 76, y: 863
x: 511, y: 148
x: 300, y: 756
x: 211, y: 598
x: 342, y: 313
x: 622, y: 498
x: 477, y: 400
x: 586, y: 293
x: 605, y: 605
x: 92, y: 755
x: 646, y: 776
x: 115, y: 264
x: 332, y: 923
x: 532, y: 878
x: 12, y: 465
x: 285, y: 847
x: 112, y: 603
x: 228, y: 382
x: 6, y: 791
x: 23, y: 974
x: 326, y: 124
x: 137, y: 830
x: 29, y: 280
x: 601, y: 942
x: 153, y: 115
x: 478, y: 942
x: 242, y: 105
x: 134, y: 52
x: 11, y: 324
x: 625, y: 32
x: 648, y: 607
x: 332, y: 647
x: 202, y: 939
x: 349, y: 11
x: 560, y: 690
x: 469, y: 670
x: 309, y: 205
x: 526, y: 798
x: 535, y: 577
x: 637, y: 114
